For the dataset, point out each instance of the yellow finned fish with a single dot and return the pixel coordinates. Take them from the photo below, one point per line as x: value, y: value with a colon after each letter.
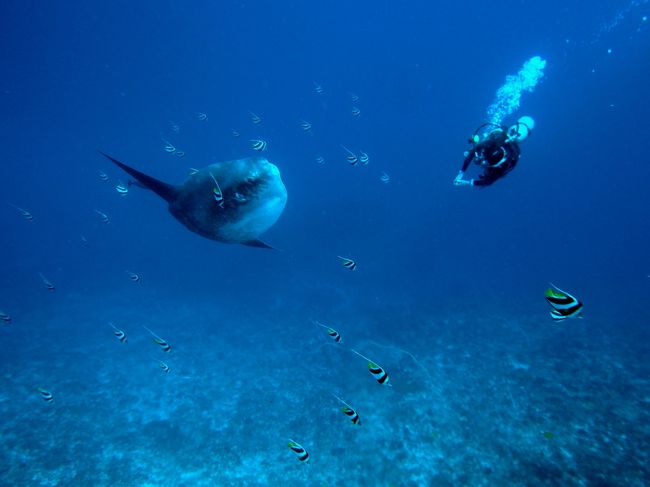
x: 166, y: 347
x: 302, y: 454
x: 564, y: 304
x: 377, y: 372
x: 349, y: 411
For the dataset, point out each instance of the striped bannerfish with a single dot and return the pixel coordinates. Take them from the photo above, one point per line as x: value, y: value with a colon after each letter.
x: 234, y: 133
x: 166, y: 347
x: 353, y: 97
x: 349, y: 411
x: 5, y: 317
x: 320, y: 160
x: 45, y: 394
x: 122, y: 189
x: 103, y: 176
x: 363, y: 158
x: 377, y: 372
x: 318, y: 89
x: 355, y: 112
x: 216, y: 192
x: 351, y: 156
x: 180, y: 153
x: 48, y: 285
x: 305, y: 126
x: 103, y: 216
x: 26, y: 214
x: 334, y: 335
x: 255, y: 118
x: 384, y: 178
x: 163, y: 366
x: 201, y: 116
x: 303, y: 456
x: 192, y: 171
x: 121, y: 336
x: 258, y: 144
x: 169, y: 147
x: 133, y: 276
x: 348, y: 263
x: 564, y: 304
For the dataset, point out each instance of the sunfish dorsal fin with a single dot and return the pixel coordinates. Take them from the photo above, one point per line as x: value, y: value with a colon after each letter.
x: 165, y: 191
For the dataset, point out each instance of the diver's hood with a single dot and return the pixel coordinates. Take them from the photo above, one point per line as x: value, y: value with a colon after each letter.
x: 521, y: 130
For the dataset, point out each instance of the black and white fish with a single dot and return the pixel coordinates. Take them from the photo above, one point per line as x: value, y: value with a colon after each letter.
x: 255, y: 118
x: 5, y: 317
x: 175, y: 127
x: 333, y: 334
x: 45, y: 394
x: 169, y: 147
x: 192, y: 171
x: 384, y: 178
x: 180, y: 153
x: 26, y: 214
x: 163, y: 366
x: 201, y: 116
x: 258, y: 144
x: 234, y: 133
x: 355, y: 112
x: 103, y: 176
x: 119, y: 334
x: 103, y: 216
x: 349, y: 411
x: 351, y: 156
x: 302, y: 454
x: 363, y: 158
x: 353, y: 97
x: 217, y: 194
x: 320, y: 160
x: 564, y: 304
x: 318, y: 89
x: 122, y: 189
x: 305, y: 126
x: 133, y: 276
x: 348, y: 263
x: 159, y: 341
x: 48, y: 285
x: 377, y: 372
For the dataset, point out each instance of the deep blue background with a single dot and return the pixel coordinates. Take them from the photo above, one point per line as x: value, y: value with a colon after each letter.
x: 112, y: 76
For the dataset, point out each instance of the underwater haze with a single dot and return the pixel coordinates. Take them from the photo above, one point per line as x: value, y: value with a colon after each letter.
x: 404, y: 329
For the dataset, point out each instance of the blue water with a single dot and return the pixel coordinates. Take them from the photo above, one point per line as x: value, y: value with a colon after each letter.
x: 448, y: 296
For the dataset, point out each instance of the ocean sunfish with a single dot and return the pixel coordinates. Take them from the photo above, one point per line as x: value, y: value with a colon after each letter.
x: 231, y: 202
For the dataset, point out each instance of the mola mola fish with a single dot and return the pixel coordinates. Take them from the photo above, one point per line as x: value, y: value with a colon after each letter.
x: 231, y: 202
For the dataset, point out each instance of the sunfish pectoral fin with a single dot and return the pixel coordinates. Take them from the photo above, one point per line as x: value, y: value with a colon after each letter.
x: 162, y: 189
x: 257, y: 243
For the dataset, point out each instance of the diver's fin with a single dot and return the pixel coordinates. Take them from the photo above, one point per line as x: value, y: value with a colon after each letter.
x: 258, y: 243
x: 164, y: 190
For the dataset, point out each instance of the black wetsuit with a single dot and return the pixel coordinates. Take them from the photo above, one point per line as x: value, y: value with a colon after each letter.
x: 496, y: 155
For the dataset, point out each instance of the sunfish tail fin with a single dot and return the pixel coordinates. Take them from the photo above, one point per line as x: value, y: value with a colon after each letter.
x: 162, y: 189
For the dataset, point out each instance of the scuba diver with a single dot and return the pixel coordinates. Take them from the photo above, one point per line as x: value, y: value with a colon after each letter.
x: 498, y: 151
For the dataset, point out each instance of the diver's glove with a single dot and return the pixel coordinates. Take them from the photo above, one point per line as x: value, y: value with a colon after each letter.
x: 459, y: 181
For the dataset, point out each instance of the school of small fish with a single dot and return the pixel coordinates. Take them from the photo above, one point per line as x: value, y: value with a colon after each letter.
x: 563, y: 305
